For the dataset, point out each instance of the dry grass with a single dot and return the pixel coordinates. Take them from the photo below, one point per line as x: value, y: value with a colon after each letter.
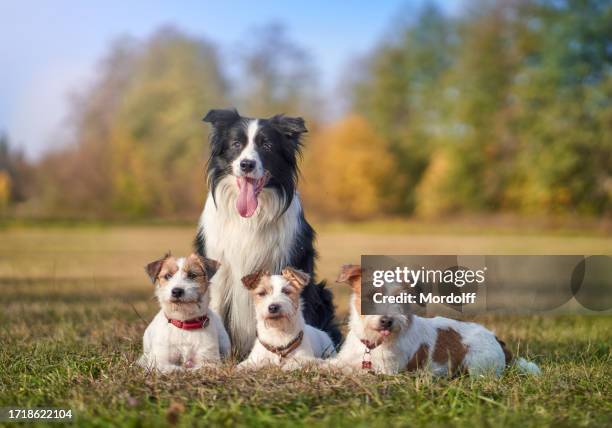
x: 71, y: 328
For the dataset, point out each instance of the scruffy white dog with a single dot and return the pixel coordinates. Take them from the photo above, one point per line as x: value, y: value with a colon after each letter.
x: 396, y: 342
x: 283, y: 338
x: 185, y: 334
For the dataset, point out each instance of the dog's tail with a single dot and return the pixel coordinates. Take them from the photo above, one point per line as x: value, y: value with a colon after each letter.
x: 319, y: 310
x: 521, y: 364
x: 527, y: 367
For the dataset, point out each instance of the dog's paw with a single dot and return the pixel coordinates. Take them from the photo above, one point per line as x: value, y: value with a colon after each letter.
x: 243, y: 366
x: 167, y: 368
x: 338, y: 366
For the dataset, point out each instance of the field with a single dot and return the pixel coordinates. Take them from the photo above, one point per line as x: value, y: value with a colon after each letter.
x: 75, y: 302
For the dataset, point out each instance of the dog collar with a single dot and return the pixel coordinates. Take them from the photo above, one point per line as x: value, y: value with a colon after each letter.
x: 371, y: 345
x: 192, y: 324
x: 366, y: 360
x: 283, y: 351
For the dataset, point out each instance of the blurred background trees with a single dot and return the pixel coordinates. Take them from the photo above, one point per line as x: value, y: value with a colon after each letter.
x: 348, y: 170
x: 16, y: 175
x: 505, y: 108
x: 138, y: 148
x: 277, y: 75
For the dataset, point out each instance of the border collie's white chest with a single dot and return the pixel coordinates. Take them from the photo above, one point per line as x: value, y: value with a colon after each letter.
x: 242, y: 246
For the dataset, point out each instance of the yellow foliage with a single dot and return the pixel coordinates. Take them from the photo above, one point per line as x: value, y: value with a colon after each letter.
x: 345, y: 170
x: 5, y: 189
x: 130, y: 187
x: 432, y: 193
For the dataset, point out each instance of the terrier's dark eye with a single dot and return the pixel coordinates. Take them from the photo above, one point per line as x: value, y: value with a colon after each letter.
x: 236, y: 144
x: 261, y: 293
x: 286, y: 290
x: 168, y: 276
x: 191, y: 276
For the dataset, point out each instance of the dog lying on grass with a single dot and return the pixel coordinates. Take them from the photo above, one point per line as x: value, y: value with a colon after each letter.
x: 391, y: 344
x: 185, y: 334
x: 283, y: 338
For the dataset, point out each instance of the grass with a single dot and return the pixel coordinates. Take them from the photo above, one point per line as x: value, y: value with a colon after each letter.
x: 74, y: 299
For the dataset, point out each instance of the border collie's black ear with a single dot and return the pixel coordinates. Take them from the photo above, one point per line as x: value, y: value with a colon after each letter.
x: 221, y: 117
x: 292, y: 127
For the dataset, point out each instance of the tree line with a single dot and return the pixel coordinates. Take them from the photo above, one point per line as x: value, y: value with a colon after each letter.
x: 507, y: 107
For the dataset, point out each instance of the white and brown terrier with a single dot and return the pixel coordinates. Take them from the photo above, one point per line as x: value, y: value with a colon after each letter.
x: 396, y: 342
x: 185, y: 334
x: 283, y: 338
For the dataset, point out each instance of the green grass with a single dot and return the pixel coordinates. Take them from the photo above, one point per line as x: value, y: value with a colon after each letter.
x: 71, y: 326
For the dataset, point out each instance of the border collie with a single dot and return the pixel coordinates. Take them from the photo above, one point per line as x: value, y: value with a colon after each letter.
x: 253, y: 219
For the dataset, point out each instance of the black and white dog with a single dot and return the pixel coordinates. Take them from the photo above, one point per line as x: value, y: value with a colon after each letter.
x: 253, y: 219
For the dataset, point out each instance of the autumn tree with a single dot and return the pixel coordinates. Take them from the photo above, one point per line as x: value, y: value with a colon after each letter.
x: 505, y: 107
x: 16, y: 175
x: 158, y: 142
x: 400, y: 94
x: 471, y: 166
x: 138, y: 145
x: 564, y: 106
x: 347, y: 171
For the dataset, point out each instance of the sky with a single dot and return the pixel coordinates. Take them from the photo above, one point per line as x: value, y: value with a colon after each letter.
x: 50, y: 49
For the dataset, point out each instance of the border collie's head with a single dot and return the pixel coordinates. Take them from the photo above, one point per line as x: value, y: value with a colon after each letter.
x: 258, y: 153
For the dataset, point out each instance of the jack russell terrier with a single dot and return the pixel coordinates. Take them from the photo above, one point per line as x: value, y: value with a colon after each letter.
x: 185, y: 334
x: 283, y: 338
x: 394, y: 343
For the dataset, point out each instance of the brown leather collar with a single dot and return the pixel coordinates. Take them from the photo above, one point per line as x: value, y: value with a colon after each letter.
x: 372, y: 345
x: 283, y: 351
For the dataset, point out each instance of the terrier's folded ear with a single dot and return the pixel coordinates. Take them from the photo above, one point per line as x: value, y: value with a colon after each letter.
x: 298, y: 278
x: 251, y: 281
x: 152, y: 269
x: 210, y: 266
x: 350, y: 274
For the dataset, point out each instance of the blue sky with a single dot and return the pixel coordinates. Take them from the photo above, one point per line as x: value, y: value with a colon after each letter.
x: 49, y: 49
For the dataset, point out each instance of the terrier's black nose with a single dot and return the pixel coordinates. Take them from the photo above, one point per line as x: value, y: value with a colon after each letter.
x: 386, y: 322
x: 177, y: 292
x: 273, y: 308
x: 247, y: 165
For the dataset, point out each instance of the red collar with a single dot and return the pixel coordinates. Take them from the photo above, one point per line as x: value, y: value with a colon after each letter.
x: 192, y: 324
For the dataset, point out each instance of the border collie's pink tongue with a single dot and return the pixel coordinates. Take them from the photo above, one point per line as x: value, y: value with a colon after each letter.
x: 246, y: 204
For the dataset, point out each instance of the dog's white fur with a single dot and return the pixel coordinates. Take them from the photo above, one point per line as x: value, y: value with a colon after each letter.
x: 243, y: 245
x: 168, y: 348
x: 409, y: 333
x: 279, y: 332
x: 249, y: 153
